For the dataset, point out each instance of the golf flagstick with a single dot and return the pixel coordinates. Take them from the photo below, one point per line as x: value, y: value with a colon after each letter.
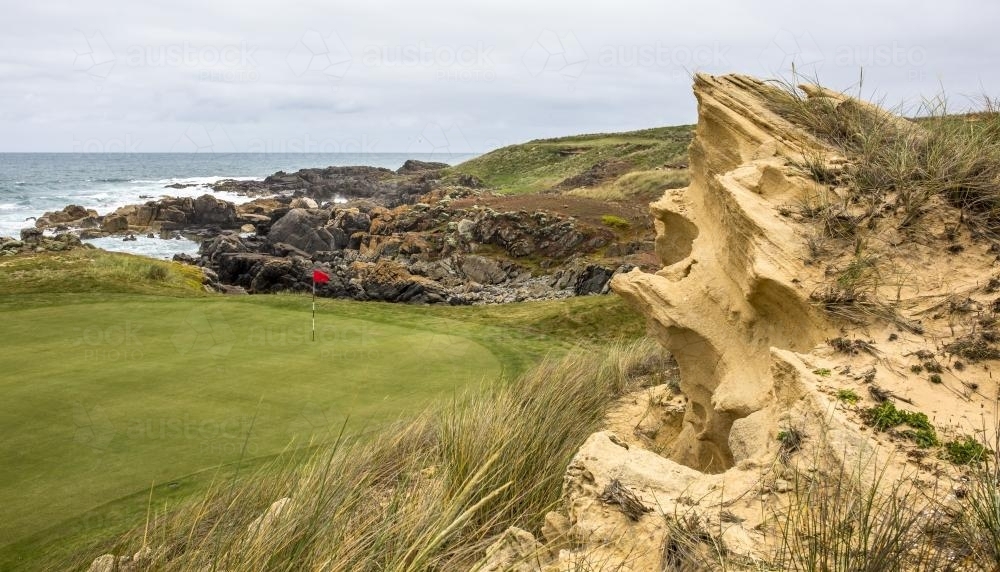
x: 322, y: 278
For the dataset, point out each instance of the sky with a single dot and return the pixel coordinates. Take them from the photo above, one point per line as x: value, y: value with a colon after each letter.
x: 446, y: 76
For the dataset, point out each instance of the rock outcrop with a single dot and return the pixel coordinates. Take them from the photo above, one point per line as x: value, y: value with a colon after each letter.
x: 34, y: 240
x: 766, y: 355
x: 430, y: 252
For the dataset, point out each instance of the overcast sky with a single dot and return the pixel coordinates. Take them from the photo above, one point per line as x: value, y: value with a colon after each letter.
x: 335, y: 76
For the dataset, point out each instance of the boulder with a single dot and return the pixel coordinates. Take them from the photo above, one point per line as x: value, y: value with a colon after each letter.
x: 210, y: 210
x: 104, y: 563
x: 114, y: 223
x: 303, y: 203
x: 351, y: 220
x: 69, y: 215
x: 31, y: 235
x: 593, y: 280
x: 224, y: 243
x: 303, y: 229
x: 515, y: 551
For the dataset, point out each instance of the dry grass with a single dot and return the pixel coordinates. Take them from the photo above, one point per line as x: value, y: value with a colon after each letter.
x: 637, y: 185
x: 896, y: 166
x: 429, y: 494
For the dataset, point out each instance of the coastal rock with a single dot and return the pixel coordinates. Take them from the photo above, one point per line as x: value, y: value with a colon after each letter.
x: 391, y: 282
x: 412, y: 166
x: 31, y: 235
x: 481, y: 269
x: 303, y: 203
x: 303, y: 229
x: 67, y: 216
x: 210, y: 210
x: 351, y: 220
x: 114, y: 223
x: 323, y: 184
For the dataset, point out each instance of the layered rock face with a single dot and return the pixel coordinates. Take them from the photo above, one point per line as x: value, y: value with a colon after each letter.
x: 731, y: 286
x: 775, y: 383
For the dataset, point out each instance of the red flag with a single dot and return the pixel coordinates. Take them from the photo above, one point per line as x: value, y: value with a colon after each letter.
x: 320, y: 277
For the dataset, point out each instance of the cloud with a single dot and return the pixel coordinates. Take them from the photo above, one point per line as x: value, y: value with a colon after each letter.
x: 498, y: 73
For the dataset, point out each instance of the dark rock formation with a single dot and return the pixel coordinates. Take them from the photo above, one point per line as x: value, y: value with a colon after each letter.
x: 412, y: 166
x: 303, y: 229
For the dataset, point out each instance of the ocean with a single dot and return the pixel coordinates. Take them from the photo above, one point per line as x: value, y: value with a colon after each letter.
x: 33, y: 183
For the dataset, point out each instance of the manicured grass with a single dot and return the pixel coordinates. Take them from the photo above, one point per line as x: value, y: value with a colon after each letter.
x: 539, y: 165
x: 116, y: 380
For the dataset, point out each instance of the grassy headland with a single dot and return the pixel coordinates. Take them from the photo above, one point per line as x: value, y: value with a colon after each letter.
x: 543, y: 164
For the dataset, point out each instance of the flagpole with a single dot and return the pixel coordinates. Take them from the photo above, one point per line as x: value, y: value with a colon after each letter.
x: 314, y: 309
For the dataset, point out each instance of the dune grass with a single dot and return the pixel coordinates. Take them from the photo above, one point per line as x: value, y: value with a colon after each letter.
x: 94, y: 270
x: 899, y: 165
x: 541, y: 164
x: 430, y: 493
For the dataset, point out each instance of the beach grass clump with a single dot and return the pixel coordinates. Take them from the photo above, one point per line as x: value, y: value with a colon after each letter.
x: 843, y: 520
x: 901, y: 165
x: 979, y: 526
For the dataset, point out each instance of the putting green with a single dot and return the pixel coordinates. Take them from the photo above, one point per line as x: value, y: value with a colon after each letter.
x: 104, y: 396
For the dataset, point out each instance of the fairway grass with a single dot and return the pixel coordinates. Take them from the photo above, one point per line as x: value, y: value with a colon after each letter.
x: 114, y: 402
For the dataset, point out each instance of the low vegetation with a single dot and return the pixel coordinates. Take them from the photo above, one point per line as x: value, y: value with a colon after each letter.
x: 885, y: 416
x: 848, y: 396
x: 965, y: 450
x: 194, y: 387
x: 428, y: 494
x: 544, y: 163
x: 616, y: 222
x: 900, y: 164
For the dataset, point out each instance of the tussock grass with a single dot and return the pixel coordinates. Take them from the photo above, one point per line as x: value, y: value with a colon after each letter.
x: 90, y: 270
x: 428, y: 494
x: 900, y: 165
x: 979, y: 525
x: 836, y: 521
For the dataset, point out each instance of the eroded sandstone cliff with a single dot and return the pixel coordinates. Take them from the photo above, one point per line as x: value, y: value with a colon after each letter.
x: 777, y: 378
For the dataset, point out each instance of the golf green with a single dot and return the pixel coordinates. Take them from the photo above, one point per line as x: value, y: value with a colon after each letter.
x: 106, y: 396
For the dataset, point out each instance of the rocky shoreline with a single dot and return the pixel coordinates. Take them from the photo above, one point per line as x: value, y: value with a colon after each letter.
x: 421, y: 234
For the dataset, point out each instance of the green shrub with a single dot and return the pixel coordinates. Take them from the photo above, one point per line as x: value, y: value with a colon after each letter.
x: 615, y: 222
x: 964, y: 451
x: 848, y: 396
x: 885, y: 416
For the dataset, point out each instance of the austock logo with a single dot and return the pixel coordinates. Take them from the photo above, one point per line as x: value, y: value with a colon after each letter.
x: 316, y: 54
x: 205, y: 331
x: 556, y: 54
